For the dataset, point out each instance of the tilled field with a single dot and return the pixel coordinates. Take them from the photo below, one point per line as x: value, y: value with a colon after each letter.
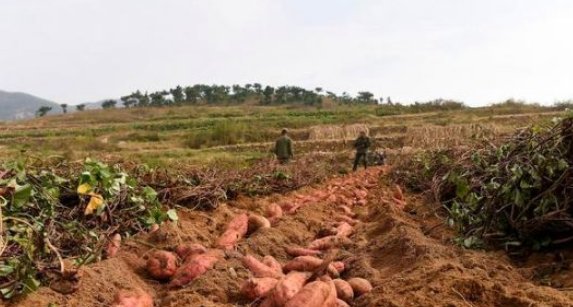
x: 398, y: 244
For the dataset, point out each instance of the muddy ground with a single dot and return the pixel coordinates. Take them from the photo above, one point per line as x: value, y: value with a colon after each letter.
x: 407, y: 253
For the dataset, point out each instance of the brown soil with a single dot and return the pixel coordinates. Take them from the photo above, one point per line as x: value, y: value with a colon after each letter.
x: 406, y: 254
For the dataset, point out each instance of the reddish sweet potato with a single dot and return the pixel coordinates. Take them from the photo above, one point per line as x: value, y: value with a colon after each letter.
x: 272, y: 263
x: 339, y: 266
x: 360, y: 286
x: 236, y: 229
x: 346, y: 219
x: 162, y: 265
x: 274, y: 213
x: 290, y: 207
x: 341, y: 303
x: 185, y: 250
x: 194, y: 267
x: 296, y: 251
x: 331, y: 300
x: 314, y: 294
x: 286, y: 288
x: 134, y: 298
x: 307, y: 264
x: 344, y: 290
x: 154, y: 228
x: 259, y: 269
x: 257, y: 222
x: 113, y: 246
x: 347, y: 210
x: 328, y: 242
x: 344, y: 230
x: 398, y: 193
x: 254, y: 288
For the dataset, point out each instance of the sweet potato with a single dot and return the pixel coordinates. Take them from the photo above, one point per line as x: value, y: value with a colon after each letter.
x: 398, y: 193
x: 236, y: 229
x: 339, y: 266
x: 328, y: 242
x: 308, y: 264
x: 185, y: 250
x: 341, y: 303
x: 314, y: 294
x: 195, y: 266
x: 134, y: 298
x: 344, y: 290
x: 360, y: 286
x: 347, y: 210
x: 331, y: 300
x: 259, y: 269
x: 290, y: 207
x: 274, y: 213
x: 257, y: 222
x: 296, y: 251
x: 113, y: 246
x: 154, y: 228
x: 286, y: 288
x: 272, y: 263
x: 254, y: 288
x: 346, y: 219
x: 162, y: 265
x: 344, y: 230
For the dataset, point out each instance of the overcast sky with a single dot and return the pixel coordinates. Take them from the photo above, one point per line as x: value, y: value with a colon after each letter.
x: 477, y: 51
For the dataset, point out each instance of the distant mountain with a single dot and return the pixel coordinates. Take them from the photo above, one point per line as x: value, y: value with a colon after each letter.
x: 22, y: 105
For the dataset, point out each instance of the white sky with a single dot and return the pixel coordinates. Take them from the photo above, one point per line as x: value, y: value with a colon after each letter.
x: 477, y: 51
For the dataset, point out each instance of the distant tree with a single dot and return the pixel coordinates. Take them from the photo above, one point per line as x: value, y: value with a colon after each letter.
x: 80, y: 107
x: 258, y: 88
x: 43, y: 110
x: 64, y: 107
x: 389, y: 101
x: 318, y: 90
x: 365, y: 97
x: 177, y: 94
x: 108, y: 104
x: 268, y: 95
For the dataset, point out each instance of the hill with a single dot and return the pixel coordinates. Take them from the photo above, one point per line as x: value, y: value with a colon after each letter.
x: 22, y: 105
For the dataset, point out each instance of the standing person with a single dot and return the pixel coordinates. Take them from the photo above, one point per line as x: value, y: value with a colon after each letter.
x: 283, y: 147
x: 361, y: 145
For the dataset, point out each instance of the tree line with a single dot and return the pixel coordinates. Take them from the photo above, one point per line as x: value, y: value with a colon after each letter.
x: 223, y: 94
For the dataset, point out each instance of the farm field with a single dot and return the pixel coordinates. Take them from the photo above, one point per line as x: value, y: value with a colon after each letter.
x: 211, y: 166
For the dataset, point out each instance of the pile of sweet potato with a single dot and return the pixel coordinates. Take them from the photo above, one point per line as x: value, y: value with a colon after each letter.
x: 308, y: 280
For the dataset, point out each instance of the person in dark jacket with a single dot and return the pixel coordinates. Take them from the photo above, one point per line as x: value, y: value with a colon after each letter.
x: 283, y: 148
x: 361, y: 145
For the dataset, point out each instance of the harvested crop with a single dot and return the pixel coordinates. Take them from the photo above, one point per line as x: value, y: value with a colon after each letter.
x: 296, y: 251
x: 341, y: 303
x: 259, y: 269
x: 254, y: 288
x: 236, y: 229
x: 398, y: 194
x: 154, y: 228
x: 344, y: 290
x: 360, y: 286
x: 185, y: 250
x: 113, y: 246
x: 195, y: 266
x: 162, y: 265
x: 346, y: 219
x: 308, y: 264
x: 289, y: 207
x: 347, y: 210
x: 272, y: 263
x: 328, y: 242
x: 339, y: 266
x: 274, y: 213
x: 344, y: 230
x: 134, y: 298
x: 314, y: 294
x: 257, y: 222
x: 286, y: 288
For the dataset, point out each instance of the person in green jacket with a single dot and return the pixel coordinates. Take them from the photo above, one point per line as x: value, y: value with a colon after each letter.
x: 361, y: 145
x: 283, y: 147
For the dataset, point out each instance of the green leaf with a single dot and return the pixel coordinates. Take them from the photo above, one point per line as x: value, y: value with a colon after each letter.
x: 6, y: 270
x: 172, y: 214
x: 22, y: 195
